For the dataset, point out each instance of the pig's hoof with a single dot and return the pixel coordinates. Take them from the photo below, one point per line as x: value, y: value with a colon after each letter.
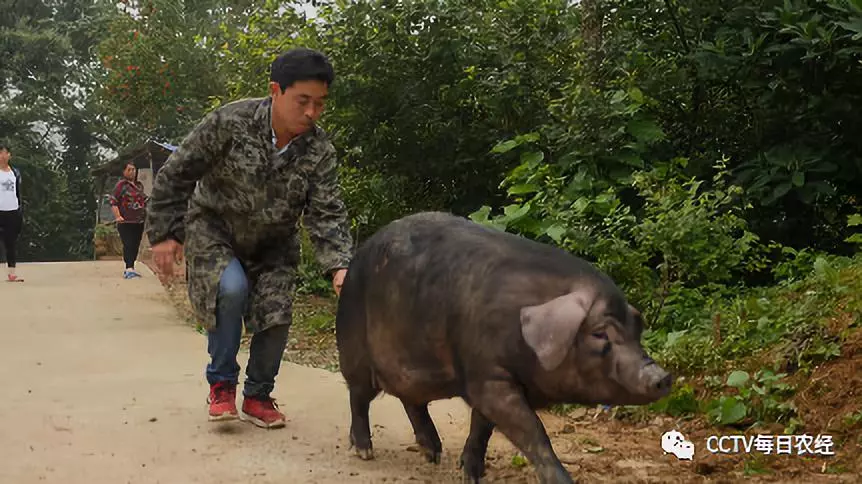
x: 365, y: 454
x: 432, y: 456
x: 466, y: 478
x: 472, y: 469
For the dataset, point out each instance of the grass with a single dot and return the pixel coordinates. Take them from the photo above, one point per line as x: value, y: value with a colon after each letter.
x: 312, y: 341
x: 785, y: 359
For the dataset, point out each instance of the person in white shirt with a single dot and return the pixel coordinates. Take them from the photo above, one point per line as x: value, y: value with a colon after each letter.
x: 10, y: 209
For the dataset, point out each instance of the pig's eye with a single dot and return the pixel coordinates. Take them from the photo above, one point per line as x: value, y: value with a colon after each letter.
x: 601, y: 335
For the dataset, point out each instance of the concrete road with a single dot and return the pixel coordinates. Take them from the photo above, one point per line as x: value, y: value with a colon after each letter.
x: 102, y: 383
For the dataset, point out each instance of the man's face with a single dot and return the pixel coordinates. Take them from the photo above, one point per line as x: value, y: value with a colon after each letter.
x: 5, y: 156
x: 299, y: 106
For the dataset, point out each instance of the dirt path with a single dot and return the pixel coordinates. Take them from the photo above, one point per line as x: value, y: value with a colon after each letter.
x: 103, y: 383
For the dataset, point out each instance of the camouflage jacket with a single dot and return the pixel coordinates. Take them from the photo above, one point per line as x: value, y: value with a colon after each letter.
x: 228, y: 192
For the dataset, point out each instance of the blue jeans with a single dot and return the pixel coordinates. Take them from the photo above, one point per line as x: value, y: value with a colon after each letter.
x: 267, y: 347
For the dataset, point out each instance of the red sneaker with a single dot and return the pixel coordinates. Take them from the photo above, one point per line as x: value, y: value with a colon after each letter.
x: 262, y: 412
x: 222, y: 401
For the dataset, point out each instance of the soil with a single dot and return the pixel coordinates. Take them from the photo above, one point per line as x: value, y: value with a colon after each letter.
x: 104, y: 383
x: 598, y: 446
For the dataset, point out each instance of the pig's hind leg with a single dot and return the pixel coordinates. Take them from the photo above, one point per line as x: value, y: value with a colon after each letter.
x: 355, y: 362
x: 473, y: 457
x: 362, y: 392
x: 426, y: 433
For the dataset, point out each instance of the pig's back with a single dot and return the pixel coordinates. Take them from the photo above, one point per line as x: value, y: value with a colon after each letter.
x: 441, y: 247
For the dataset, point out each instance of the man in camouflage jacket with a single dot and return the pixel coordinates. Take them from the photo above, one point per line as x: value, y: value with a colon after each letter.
x: 230, y: 197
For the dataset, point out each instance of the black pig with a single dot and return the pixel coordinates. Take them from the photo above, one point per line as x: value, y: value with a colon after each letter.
x: 435, y: 306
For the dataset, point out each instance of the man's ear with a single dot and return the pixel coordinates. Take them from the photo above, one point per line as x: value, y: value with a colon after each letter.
x: 274, y: 88
x: 549, y: 329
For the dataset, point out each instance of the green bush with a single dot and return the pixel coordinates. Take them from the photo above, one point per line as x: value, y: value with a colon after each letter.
x: 310, y: 276
x: 682, y: 250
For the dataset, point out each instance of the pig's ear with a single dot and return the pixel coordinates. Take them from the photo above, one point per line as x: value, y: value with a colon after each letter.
x: 637, y: 317
x: 550, y: 328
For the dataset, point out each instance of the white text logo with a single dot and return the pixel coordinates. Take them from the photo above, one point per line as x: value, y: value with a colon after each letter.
x: 770, y: 444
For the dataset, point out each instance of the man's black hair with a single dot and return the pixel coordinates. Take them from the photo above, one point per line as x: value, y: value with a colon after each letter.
x: 4, y: 145
x: 301, y: 64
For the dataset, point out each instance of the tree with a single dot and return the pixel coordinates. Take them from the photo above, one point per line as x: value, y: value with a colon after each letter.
x: 44, y: 77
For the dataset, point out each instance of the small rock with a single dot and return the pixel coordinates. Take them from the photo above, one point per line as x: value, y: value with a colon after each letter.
x: 578, y: 413
x: 153, y: 419
x: 704, y: 468
x: 568, y: 429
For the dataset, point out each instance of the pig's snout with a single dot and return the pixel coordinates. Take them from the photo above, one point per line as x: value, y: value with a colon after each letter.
x: 657, y: 382
x: 663, y: 386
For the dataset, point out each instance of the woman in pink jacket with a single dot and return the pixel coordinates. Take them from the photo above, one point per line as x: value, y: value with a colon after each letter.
x: 129, y: 204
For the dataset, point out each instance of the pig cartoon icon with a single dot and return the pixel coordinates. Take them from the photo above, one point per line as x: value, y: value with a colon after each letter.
x: 673, y: 442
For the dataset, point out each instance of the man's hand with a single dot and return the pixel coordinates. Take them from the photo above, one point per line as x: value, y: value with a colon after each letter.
x: 338, y: 280
x: 165, y: 255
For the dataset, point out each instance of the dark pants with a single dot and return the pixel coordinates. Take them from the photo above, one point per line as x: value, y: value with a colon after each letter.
x: 131, y: 235
x: 10, y: 228
x: 267, y: 347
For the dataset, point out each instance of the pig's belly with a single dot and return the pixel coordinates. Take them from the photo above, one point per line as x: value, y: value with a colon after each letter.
x: 417, y: 373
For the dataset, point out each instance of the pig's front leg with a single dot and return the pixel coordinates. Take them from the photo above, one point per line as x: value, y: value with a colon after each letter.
x: 473, y: 456
x: 502, y: 403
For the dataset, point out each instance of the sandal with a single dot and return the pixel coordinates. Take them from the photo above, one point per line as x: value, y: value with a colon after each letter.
x: 13, y: 278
